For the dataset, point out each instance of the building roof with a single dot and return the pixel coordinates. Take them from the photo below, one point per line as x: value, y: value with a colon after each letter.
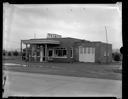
x: 40, y: 41
x: 59, y: 40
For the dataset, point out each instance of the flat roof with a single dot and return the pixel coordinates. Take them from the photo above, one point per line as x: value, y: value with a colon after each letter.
x: 40, y: 41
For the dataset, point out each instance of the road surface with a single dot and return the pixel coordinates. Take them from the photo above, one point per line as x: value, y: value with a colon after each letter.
x: 28, y: 84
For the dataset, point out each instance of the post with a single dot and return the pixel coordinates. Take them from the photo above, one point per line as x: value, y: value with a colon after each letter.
x: 32, y: 54
x: 35, y: 53
x: 26, y: 51
x: 21, y: 49
x: 46, y: 56
x: 106, y: 46
x: 29, y: 53
x: 41, y: 53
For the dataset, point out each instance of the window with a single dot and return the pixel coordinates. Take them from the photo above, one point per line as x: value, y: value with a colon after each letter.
x: 60, y: 52
x: 88, y: 50
x: 104, y: 53
x: 81, y: 50
x: 50, y: 53
x: 84, y: 50
x: 93, y: 50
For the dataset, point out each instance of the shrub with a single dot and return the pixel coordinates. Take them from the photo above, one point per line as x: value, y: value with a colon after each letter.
x: 4, y: 52
x: 116, y: 56
x: 15, y: 53
x: 9, y: 54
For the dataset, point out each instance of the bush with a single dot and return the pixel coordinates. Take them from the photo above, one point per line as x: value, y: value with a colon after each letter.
x: 116, y: 56
x: 4, y: 53
x: 15, y: 53
x: 9, y: 54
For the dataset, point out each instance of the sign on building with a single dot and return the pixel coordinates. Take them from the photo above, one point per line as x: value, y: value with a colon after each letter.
x: 50, y: 35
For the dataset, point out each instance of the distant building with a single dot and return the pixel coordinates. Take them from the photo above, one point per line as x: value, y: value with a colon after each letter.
x: 57, y: 49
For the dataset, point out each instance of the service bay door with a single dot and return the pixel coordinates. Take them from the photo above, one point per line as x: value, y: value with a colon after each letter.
x: 86, y: 54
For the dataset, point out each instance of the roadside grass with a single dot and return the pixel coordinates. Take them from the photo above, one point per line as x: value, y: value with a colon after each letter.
x: 91, y: 70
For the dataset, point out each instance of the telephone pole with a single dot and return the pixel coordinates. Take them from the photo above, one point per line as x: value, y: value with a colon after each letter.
x: 106, y: 46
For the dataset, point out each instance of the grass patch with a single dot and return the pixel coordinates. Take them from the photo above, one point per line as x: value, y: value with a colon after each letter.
x: 91, y: 70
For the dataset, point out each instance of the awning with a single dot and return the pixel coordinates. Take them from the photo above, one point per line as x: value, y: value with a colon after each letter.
x: 40, y: 41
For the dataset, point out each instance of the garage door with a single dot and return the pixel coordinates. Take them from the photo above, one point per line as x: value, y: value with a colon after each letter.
x: 86, y: 54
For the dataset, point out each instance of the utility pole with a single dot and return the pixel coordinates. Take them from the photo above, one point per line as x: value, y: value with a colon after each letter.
x: 106, y: 46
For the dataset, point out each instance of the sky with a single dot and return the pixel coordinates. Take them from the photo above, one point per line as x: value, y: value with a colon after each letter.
x: 82, y: 21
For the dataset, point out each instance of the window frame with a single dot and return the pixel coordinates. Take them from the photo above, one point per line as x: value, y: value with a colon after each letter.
x: 58, y: 49
x: 84, y: 50
x: 105, y: 54
x: 93, y: 50
x: 88, y: 50
x: 81, y: 49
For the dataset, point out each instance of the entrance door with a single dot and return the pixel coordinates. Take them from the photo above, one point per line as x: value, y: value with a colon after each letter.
x: 50, y: 54
x: 86, y: 54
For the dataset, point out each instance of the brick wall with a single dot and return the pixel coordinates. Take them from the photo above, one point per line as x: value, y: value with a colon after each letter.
x: 106, y: 48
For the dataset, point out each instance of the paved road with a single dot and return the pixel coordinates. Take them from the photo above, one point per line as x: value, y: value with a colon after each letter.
x: 28, y: 84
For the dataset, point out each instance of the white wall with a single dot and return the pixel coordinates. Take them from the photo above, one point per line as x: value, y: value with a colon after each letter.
x: 86, y: 54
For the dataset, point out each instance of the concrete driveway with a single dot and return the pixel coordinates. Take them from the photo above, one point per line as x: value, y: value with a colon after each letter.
x: 28, y: 84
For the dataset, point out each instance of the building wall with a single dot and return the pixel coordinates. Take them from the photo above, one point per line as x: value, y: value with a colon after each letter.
x: 76, y: 54
x: 84, y: 44
x: 99, y: 51
x: 104, y: 56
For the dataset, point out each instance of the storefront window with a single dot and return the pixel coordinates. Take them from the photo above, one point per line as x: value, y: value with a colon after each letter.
x: 60, y: 52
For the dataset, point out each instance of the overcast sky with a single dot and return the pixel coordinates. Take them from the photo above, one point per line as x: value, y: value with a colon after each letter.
x: 83, y: 21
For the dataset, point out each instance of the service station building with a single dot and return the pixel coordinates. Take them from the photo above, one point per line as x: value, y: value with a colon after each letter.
x: 54, y: 48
